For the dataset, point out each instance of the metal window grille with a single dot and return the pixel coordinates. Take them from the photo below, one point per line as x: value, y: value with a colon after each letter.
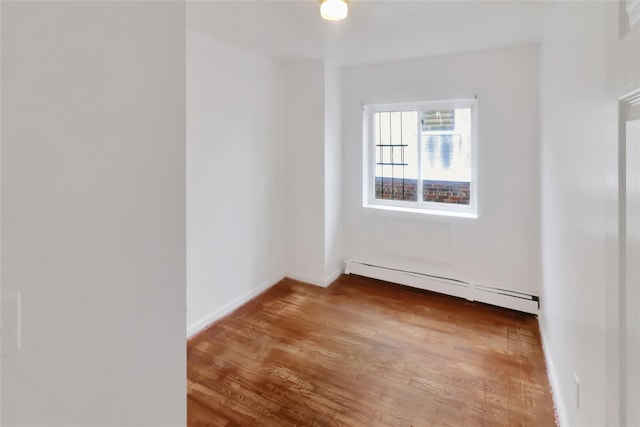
x: 391, y: 183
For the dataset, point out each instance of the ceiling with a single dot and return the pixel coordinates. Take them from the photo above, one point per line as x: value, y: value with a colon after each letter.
x: 374, y: 31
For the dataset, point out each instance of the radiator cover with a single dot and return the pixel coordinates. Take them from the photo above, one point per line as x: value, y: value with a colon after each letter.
x: 501, y: 297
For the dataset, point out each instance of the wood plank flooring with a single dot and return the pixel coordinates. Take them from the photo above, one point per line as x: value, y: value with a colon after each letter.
x: 367, y: 353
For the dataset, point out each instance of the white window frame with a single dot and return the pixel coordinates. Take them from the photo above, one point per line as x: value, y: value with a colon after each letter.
x: 419, y: 206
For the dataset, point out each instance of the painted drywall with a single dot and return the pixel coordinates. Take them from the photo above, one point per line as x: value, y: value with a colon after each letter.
x: 501, y: 247
x: 93, y: 212
x: 579, y: 159
x: 236, y: 184
x: 1, y: 333
x: 618, y: 52
x: 305, y: 126
x: 314, y: 171
x: 623, y: 324
x: 333, y: 253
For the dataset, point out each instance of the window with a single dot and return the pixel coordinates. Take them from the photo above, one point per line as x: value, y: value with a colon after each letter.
x: 422, y: 156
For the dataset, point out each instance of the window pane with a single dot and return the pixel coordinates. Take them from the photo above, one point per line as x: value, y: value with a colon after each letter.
x: 446, y: 156
x: 396, y: 139
x: 438, y: 120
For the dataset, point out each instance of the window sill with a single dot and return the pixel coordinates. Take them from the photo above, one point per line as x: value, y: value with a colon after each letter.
x: 401, y: 210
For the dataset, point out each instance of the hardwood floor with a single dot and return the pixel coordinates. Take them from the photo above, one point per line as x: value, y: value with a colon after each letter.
x: 367, y: 353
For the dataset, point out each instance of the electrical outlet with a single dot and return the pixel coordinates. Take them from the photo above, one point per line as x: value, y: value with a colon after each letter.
x: 575, y: 377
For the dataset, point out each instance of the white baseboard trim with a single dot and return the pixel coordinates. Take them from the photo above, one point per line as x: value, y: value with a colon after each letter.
x: 333, y: 277
x: 306, y: 279
x: 553, y: 379
x: 206, y: 321
x: 315, y: 281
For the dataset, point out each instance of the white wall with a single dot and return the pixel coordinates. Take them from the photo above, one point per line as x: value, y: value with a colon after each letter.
x: 611, y: 161
x: 1, y: 311
x: 499, y: 248
x: 578, y: 158
x: 236, y: 189
x: 272, y: 128
x: 314, y: 171
x: 305, y: 127
x: 93, y: 212
x: 332, y: 173
x: 623, y: 317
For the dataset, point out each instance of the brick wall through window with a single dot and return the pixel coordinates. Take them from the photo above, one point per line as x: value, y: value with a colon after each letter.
x: 455, y: 192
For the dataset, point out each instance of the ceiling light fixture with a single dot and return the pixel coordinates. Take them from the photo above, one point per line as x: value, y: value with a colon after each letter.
x: 334, y: 10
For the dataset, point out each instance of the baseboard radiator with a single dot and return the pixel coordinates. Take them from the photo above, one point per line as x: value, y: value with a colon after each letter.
x: 507, y: 298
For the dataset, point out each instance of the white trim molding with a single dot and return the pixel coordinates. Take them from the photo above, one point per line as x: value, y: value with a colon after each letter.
x: 205, y: 322
x: 554, y: 382
x: 411, y: 159
x: 323, y: 283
